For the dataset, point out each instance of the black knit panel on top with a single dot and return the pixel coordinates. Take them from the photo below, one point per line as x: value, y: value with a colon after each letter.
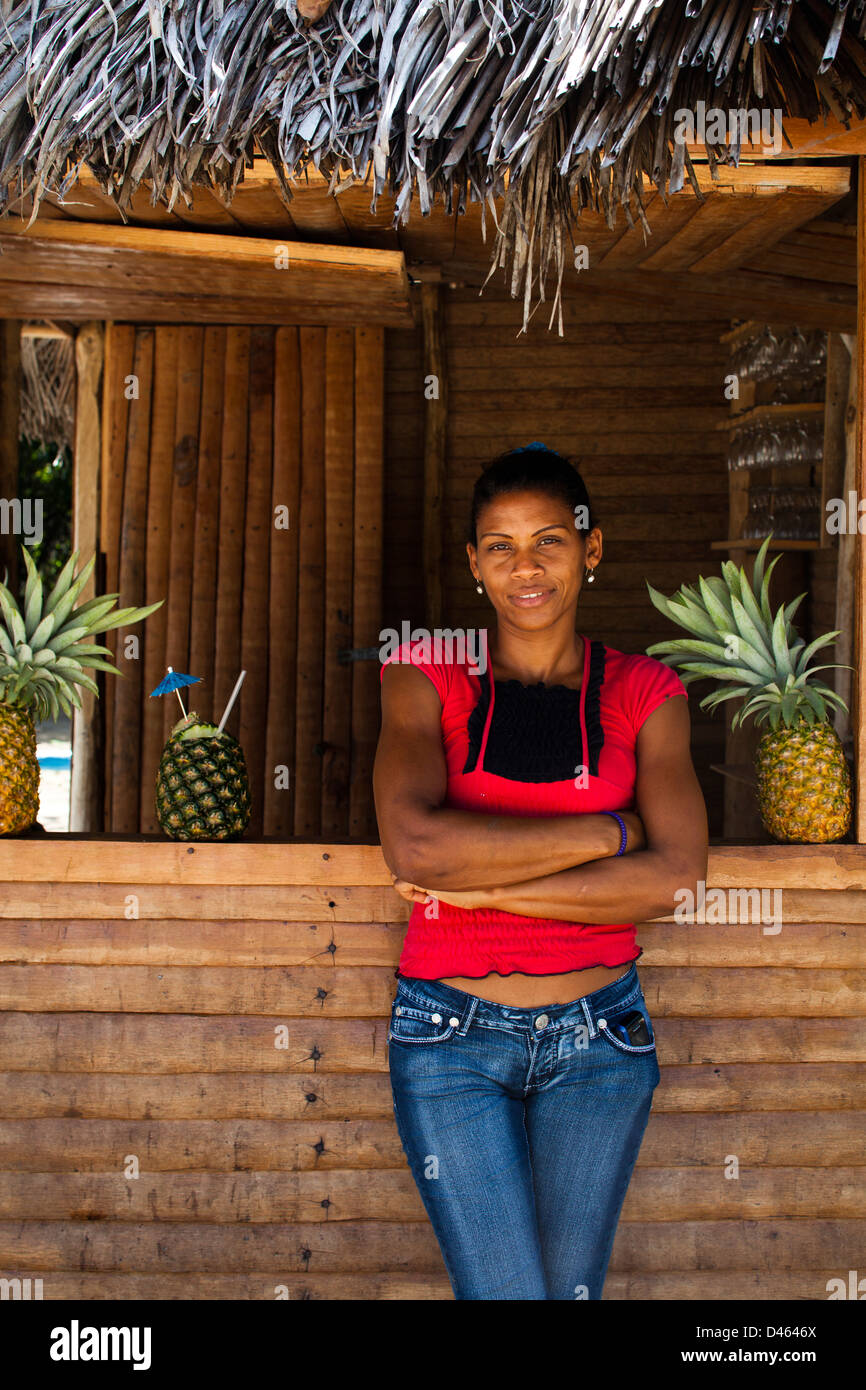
x: 535, y: 731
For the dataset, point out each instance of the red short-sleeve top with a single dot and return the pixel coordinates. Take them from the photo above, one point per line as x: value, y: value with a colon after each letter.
x: 537, y: 750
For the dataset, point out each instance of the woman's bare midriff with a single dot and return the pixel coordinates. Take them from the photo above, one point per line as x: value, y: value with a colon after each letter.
x: 533, y: 991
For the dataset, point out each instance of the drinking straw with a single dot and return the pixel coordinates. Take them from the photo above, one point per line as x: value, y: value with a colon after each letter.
x: 228, y: 709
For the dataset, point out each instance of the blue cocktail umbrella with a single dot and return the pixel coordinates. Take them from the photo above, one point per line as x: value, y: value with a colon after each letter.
x: 173, y: 681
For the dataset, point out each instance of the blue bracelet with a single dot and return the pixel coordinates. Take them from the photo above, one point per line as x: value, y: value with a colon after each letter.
x: 622, y: 843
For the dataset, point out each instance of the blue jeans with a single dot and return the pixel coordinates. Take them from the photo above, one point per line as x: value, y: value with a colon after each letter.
x: 521, y: 1128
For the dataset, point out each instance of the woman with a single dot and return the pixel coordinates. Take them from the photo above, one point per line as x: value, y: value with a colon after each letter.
x: 528, y: 807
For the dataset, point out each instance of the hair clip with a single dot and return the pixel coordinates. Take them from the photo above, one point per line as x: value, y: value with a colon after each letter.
x: 525, y: 448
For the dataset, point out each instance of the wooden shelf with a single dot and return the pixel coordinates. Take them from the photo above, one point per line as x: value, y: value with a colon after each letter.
x: 755, y: 543
x: 771, y: 412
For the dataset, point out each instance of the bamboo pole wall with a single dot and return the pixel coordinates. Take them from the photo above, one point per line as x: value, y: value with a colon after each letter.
x: 242, y: 483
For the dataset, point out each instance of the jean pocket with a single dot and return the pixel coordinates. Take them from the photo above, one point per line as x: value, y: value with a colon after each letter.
x: 604, y: 1027
x: 411, y: 1023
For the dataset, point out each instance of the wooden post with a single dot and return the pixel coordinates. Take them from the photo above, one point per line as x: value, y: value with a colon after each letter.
x: 846, y: 555
x: 339, y: 593
x: 10, y: 408
x: 367, y: 586
x: 858, y: 721
x: 125, y: 751
x: 283, y: 616
x: 311, y: 576
x: 435, y: 427
x: 119, y: 354
x: 157, y: 712
x: 256, y: 597
x: 84, y: 788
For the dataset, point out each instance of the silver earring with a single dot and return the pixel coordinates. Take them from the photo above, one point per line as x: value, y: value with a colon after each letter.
x: 589, y: 575
x: 479, y: 588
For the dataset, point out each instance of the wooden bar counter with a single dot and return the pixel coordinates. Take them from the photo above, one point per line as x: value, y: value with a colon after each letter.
x: 195, y: 1099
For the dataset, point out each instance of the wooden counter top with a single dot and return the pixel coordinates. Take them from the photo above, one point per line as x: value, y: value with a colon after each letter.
x: 70, y: 858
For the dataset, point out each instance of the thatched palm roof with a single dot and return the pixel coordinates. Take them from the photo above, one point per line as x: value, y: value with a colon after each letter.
x: 551, y: 103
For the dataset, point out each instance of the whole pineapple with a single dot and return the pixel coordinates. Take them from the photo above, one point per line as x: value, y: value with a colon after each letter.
x: 804, y: 786
x: 44, y: 655
x: 202, y: 787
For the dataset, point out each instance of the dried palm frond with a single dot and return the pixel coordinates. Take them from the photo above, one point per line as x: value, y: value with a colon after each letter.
x: 47, y: 390
x: 556, y: 105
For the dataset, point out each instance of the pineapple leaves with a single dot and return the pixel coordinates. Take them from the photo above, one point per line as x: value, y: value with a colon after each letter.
x: 791, y: 608
x: 718, y: 697
x: 14, y: 621
x: 62, y: 582
x: 734, y: 578
x: 750, y: 636
x: 66, y: 638
x: 725, y: 673
x: 124, y: 616
x: 758, y: 567
x: 765, y: 592
x: 39, y: 637
x: 824, y: 640
x: 750, y: 603
x: 818, y: 705
x: 682, y: 611
x: 45, y: 653
x: 789, y: 705
x: 32, y: 595
x: 714, y: 594
x: 780, y: 645
x: 75, y: 676
x: 65, y: 604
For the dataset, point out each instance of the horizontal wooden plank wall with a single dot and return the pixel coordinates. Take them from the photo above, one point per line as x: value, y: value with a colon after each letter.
x: 232, y: 1039
x: 216, y: 454
x: 633, y: 392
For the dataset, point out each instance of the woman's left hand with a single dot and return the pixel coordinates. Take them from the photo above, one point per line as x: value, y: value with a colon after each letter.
x: 413, y: 893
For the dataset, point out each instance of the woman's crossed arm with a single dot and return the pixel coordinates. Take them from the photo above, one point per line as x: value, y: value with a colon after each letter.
x: 630, y: 888
x: 444, y: 848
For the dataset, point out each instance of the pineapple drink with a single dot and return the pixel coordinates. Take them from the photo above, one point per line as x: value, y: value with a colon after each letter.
x: 202, y: 786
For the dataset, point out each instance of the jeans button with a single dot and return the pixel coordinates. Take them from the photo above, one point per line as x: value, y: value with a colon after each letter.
x: 542, y: 1021
x: 454, y: 1022
x: 437, y: 1018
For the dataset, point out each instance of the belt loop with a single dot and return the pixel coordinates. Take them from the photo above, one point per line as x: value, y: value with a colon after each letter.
x: 590, y: 1021
x: 468, y: 1014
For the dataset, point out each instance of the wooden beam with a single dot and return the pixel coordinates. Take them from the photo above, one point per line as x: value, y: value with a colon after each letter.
x: 129, y: 306
x: 808, y: 140
x: 435, y: 387
x: 106, y: 860
x: 743, y: 293
x: 85, y: 265
x: 85, y: 792
x: 46, y: 330
x: 858, y: 722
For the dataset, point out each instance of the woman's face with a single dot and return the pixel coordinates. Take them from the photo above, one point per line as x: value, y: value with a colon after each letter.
x: 530, y: 556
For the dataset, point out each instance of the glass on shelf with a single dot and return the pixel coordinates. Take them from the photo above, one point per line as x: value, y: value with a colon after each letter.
x: 791, y: 513
x: 797, y: 358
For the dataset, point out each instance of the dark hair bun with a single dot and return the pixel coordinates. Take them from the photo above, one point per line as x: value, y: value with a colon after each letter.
x: 531, y: 468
